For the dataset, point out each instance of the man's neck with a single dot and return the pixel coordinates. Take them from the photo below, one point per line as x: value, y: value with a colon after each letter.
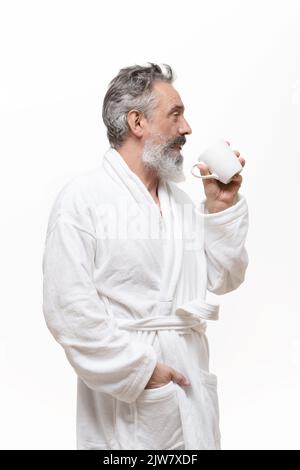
x: 132, y: 156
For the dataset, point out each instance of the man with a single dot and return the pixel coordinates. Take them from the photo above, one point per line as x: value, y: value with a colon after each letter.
x: 127, y: 263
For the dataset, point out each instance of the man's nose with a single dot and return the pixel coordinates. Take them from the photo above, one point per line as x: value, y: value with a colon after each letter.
x: 185, y: 128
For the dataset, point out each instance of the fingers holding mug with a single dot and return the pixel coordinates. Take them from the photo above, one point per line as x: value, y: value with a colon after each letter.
x: 219, y: 162
x: 205, y: 174
x: 237, y: 179
x: 241, y: 159
x: 204, y: 171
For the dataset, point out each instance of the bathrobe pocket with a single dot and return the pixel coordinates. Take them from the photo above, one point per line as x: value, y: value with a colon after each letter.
x: 158, y: 422
x: 210, y: 409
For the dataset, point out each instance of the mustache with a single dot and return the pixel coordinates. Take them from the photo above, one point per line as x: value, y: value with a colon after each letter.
x: 180, y: 140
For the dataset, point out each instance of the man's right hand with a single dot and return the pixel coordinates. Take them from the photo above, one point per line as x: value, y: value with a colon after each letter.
x: 163, y: 374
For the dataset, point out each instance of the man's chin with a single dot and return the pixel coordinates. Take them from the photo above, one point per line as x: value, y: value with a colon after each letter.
x: 167, y: 165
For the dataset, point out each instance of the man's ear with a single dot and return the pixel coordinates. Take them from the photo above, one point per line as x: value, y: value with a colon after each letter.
x: 135, y: 121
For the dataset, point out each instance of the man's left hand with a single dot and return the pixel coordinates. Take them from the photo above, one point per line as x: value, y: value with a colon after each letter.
x: 220, y: 196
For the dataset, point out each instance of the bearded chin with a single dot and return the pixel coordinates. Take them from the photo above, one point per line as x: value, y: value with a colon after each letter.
x: 168, y: 164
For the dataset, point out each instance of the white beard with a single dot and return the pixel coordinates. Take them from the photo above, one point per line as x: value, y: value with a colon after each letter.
x: 166, y: 162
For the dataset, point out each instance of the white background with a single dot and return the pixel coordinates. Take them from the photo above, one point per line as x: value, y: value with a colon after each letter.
x: 238, y: 69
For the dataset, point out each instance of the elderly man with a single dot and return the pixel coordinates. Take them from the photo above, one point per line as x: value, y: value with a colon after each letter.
x: 127, y: 264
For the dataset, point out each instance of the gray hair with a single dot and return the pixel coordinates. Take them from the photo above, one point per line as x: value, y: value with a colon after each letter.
x: 132, y: 88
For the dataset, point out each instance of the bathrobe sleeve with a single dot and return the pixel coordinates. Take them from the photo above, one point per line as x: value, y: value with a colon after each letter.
x: 224, y: 244
x: 106, y: 358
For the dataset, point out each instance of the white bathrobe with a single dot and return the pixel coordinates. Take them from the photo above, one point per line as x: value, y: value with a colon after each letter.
x: 125, y: 287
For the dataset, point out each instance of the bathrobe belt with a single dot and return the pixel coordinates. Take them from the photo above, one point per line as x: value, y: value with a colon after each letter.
x: 191, y: 315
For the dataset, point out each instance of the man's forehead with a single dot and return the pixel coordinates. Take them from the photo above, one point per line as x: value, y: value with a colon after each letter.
x: 167, y: 95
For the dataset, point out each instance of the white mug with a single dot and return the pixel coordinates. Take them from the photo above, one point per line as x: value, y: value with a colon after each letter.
x: 221, y: 161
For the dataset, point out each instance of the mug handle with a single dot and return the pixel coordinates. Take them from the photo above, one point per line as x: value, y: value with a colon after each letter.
x: 213, y: 175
